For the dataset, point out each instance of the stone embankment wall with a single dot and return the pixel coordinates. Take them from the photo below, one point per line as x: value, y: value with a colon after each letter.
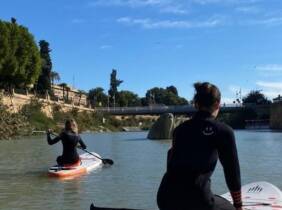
x: 276, y: 116
x: 17, y: 101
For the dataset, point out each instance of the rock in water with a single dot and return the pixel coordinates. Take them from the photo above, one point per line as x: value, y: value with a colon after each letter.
x: 162, y: 128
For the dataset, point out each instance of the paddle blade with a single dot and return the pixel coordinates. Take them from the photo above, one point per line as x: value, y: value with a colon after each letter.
x: 108, y: 161
x: 92, y: 207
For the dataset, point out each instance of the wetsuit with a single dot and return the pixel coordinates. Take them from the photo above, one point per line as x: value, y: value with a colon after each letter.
x: 197, y: 145
x: 69, y: 140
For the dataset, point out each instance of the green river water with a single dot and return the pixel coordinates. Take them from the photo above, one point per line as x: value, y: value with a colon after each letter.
x: 131, y: 182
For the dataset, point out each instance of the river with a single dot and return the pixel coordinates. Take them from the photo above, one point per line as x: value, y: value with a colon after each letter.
x: 133, y: 180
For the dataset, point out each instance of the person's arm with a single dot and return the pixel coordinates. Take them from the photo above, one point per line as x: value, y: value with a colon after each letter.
x: 170, y: 151
x: 81, y: 143
x: 52, y: 141
x: 228, y: 157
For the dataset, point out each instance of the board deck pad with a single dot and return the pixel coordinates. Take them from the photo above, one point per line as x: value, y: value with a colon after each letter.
x: 259, y: 196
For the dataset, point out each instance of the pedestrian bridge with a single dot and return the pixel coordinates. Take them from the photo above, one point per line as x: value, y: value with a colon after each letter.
x: 161, y: 109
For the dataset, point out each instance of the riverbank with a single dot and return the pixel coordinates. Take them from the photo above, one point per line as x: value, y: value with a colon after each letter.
x: 12, y: 124
x: 32, y: 117
x: 39, y: 115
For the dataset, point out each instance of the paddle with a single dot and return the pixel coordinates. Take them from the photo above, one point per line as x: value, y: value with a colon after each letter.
x: 92, y: 207
x: 104, y: 160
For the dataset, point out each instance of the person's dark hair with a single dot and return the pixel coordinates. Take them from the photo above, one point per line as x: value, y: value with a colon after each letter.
x: 206, y: 94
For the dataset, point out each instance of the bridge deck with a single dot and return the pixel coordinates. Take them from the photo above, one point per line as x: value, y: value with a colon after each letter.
x: 157, y: 110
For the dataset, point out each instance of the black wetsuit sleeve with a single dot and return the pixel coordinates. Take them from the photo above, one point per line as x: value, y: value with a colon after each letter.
x: 82, y: 144
x: 228, y: 157
x: 170, y: 151
x: 53, y: 141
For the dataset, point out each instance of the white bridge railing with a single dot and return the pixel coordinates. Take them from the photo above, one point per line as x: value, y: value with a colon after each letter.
x: 160, y: 109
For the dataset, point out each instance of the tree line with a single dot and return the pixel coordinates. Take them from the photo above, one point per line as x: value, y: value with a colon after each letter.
x: 125, y: 98
x: 24, y: 64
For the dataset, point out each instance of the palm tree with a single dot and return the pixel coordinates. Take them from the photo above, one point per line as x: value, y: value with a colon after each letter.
x: 55, y: 77
x: 64, y: 86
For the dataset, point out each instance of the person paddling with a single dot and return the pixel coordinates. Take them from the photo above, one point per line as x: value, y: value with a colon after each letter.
x: 197, y: 145
x: 70, y: 140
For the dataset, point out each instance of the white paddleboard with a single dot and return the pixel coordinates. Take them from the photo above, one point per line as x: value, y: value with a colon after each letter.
x: 260, y: 196
x: 88, y: 163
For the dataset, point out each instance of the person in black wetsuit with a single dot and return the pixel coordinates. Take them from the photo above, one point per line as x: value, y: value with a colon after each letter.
x: 70, y: 140
x: 197, y: 145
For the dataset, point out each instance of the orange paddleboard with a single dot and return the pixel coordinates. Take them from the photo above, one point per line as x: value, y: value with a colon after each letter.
x: 88, y: 163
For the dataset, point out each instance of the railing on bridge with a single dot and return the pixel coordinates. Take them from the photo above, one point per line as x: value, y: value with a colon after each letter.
x: 257, y: 124
x: 160, y: 109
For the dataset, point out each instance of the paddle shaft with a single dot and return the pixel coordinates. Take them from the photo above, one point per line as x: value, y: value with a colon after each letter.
x: 90, y: 153
x: 92, y: 207
x: 105, y: 161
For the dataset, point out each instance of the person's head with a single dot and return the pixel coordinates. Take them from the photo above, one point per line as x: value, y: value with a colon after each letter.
x: 207, y: 97
x: 71, y: 125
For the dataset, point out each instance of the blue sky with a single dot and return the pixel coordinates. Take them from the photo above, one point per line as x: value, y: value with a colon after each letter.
x: 236, y: 44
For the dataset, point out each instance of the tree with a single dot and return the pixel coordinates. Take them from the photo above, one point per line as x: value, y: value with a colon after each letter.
x: 55, y: 77
x: 20, y: 62
x: 166, y: 96
x: 255, y: 97
x: 114, y: 83
x: 97, y: 97
x: 13, y: 20
x: 128, y: 98
x: 172, y: 89
x: 44, y: 81
x: 64, y: 86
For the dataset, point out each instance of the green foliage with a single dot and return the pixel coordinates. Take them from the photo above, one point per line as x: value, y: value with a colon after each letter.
x: 114, y: 83
x: 172, y: 89
x: 37, y: 119
x: 97, y: 97
x: 255, y: 97
x: 60, y: 116
x: 44, y: 81
x: 31, y: 118
x: 85, y: 120
x: 168, y: 96
x: 12, y: 124
x: 20, y: 62
x: 127, y: 99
